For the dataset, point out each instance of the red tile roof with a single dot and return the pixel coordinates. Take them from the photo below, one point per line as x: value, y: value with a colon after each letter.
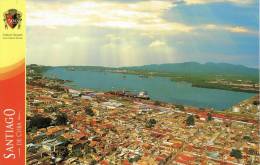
x: 184, y: 158
x: 104, y: 162
x: 126, y: 162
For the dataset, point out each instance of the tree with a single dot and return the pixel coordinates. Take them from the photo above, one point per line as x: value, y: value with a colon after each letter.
x: 190, y: 120
x: 256, y: 102
x: 39, y: 122
x: 153, y: 121
x: 64, y: 140
x: 134, y: 159
x: 180, y: 107
x: 61, y: 119
x: 54, y: 95
x: 63, y: 152
x: 77, y: 152
x: 87, y: 149
x: 93, y: 162
x: 210, y: 117
x: 157, y: 103
x: 150, y: 123
x: 33, y: 129
x: 50, y: 109
x: 236, y: 154
x: 247, y: 138
x: 89, y: 111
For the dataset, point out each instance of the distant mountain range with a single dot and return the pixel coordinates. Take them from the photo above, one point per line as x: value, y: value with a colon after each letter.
x: 193, y: 69
x: 209, y: 75
x: 197, y: 68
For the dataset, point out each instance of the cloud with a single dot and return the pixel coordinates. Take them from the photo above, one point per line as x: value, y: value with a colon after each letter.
x: 93, y: 12
x: 237, y: 2
x: 228, y: 28
x: 143, y: 15
x: 157, y: 43
x: 238, y: 29
x: 114, y: 33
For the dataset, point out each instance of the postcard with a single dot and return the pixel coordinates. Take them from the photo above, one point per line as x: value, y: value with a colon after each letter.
x: 129, y: 82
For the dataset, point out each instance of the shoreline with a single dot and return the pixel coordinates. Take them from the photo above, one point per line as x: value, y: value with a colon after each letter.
x: 182, y: 108
x: 176, y: 78
x: 200, y: 85
x: 69, y: 83
x: 152, y: 101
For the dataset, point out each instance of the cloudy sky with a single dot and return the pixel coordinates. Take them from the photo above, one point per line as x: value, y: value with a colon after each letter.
x: 138, y: 32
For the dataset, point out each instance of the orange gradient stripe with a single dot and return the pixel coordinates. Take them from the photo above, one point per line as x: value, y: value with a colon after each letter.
x: 13, y: 70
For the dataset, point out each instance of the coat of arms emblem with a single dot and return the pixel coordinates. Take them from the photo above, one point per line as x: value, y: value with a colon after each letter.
x: 12, y: 18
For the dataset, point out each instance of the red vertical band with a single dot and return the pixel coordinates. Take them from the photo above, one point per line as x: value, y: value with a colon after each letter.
x: 12, y: 119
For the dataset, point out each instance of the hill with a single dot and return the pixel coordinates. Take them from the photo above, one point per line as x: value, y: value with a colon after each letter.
x: 194, y: 68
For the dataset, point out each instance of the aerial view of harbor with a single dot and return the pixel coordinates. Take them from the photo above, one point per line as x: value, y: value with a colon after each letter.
x: 68, y: 124
x: 142, y: 82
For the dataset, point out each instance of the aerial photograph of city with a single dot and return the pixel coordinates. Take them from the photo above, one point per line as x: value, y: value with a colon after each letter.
x: 142, y: 82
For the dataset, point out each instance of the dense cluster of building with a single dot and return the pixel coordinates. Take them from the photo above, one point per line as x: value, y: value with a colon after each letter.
x: 68, y: 126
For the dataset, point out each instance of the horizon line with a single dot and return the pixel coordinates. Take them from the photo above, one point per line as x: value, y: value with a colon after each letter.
x: 201, y: 63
